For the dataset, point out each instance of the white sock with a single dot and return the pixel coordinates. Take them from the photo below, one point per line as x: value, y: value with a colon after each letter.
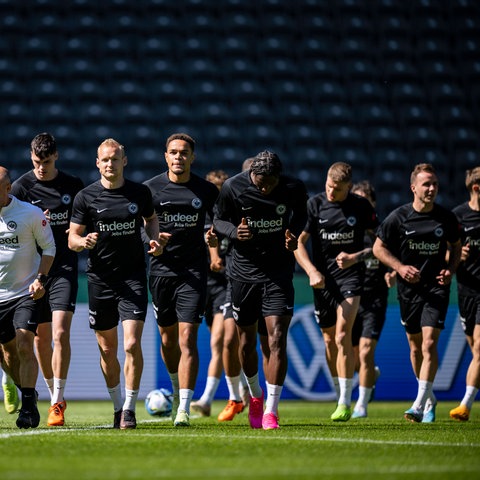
x: 7, y: 379
x: 273, y: 397
x: 469, y: 397
x: 254, y: 386
x: 174, y: 380
x: 49, y: 384
x: 424, y: 392
x: 345, y: 397
x: 233, y: 384
x: 185, y: 395
x: 58, y: 389
x: 364, y: 394
x: 130, y: 399
x: 337, y: 387
x: 210, y: 390
x: 116, y: 396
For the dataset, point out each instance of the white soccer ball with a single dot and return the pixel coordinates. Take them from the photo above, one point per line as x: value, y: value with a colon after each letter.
x: 159, y: 402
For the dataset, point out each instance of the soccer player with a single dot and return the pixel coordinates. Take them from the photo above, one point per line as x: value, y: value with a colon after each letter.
x: 371, y: 313
x: 468, y: 285
x: 337, y: 222
x: 53, y: 191
x: 23, y: 274
x: 178, y: 279
x: 216, y: 297
x: 262, y: 212
x: 413, y: 240
x: 107, y: 219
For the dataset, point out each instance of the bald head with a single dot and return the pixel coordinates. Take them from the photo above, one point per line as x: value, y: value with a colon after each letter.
x: 5, y: 187
x: 4, y: 175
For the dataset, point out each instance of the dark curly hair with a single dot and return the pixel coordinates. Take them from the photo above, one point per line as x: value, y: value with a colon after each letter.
x: 43, y: 145
x: 266, y: 163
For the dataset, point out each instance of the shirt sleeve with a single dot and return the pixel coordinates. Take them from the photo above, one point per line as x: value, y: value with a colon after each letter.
x: 43, y: 234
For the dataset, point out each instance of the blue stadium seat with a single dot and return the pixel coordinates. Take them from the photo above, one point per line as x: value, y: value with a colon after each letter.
x: 352, y: 47
x: 246, y: 89
x: 316, y: 47
x: 253, y: 112
x: 394, y: 48
x: 399, y: 70
x: 462, y: 138
x: 367, y: 92
x: 403, y: 93
x: 383, y: 137
x: 454, y: 115
x: 421, y: 137
x: 328, y: 91
x: 377, y: 114
x: 359, y: 69
x: 432, y: 49
x: 343, y: 136
x: 444, y: 93
x: 322, y: 69
x: 413, y: 114
x: 336, y: 113
x: 438, y: 71
x: 295, y: 113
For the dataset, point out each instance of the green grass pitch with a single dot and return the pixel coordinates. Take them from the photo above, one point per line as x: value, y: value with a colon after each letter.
x: 307, y: 446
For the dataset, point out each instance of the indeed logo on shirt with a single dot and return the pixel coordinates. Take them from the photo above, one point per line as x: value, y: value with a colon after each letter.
x: 265, y: 226
x: 9, y: 241
x: 430, y: 248
x: 58, y: 218
x: 115, y: 226
x: 337, y: 236
x: 179, y: 217
x: 473, y: 242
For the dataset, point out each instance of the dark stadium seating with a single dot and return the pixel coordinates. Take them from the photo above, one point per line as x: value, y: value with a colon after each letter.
x: 382, y: 84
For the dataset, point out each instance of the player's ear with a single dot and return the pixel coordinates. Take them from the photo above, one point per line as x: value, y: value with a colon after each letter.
x: 125, y: 160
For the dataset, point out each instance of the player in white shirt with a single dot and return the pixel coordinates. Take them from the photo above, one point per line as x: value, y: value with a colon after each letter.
x: 23, y: 271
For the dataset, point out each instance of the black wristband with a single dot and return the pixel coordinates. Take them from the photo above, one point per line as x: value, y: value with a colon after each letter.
x: 42, y: 278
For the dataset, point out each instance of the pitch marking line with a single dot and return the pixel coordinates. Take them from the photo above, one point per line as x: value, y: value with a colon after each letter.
x: 267, y: 436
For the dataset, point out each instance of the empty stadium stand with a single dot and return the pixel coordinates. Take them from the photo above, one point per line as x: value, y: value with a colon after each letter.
x: 383, y: 84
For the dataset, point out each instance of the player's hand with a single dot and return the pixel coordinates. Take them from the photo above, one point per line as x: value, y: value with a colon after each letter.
x: 243, y: 231
x: 291, y: 241
x: 345, y: 260
x: 444, y: 277
x: 465, y: 252
x: 409, y: 273
x: 391, y: 279
x: 316, y: 279
x: 155, y: 248
x: 90, y: 240
x: 211, y: 238
x: 163, y: 238
x: 36, y: 290
x: 216, y: 264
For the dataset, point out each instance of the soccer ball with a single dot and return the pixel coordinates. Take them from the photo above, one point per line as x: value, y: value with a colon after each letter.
x: 159, y: 402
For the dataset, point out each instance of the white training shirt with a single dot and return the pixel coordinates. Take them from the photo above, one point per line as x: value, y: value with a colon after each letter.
x: 23, y: 227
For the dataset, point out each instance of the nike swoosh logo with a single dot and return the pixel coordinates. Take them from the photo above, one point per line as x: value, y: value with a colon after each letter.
x: 467, y: 229
x: 35, y: 201
x: 322, y: 221
x: 247, y: 208
x: 136, y: 312
x: 102, y: 210
x: 409, y: 232
x: 164, y: 203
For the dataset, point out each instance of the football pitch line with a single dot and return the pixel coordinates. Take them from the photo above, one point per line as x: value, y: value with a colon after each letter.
x: 268, y: 436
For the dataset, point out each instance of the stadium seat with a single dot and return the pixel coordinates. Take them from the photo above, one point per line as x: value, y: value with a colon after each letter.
x: 462, y: 138
x: 399, y: 70
x: 343, y: 136
x: 377, y: 114
x: 383, y: 137
x: 414, y: 115
x: 454, y: 115
x: 446, y: 93
x: 356, y: 157
x: 316, y: 47
x: 404, y: 93
x: 421, y: 137
x: 243, y: 89
x: 367, y: 92
x: 359, y: 69
x: 322, y: 69
x: 437, y: 71
x: 337, y: 113
x: 327, y: 91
